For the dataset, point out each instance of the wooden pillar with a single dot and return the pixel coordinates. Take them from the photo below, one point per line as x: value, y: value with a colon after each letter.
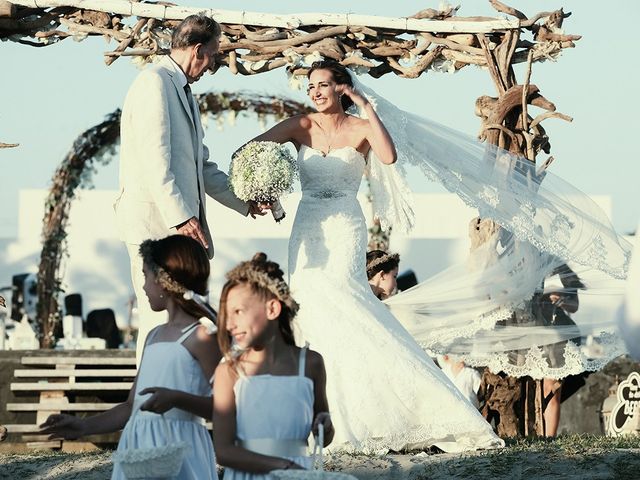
x: 7, y: 9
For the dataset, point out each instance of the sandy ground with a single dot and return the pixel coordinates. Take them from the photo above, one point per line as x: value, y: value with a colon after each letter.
x: 586, y: 465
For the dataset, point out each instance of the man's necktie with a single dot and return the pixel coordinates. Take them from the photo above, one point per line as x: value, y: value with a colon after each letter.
x: 190, y: 100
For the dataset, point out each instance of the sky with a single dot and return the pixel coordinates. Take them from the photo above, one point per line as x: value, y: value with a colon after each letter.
x: 49, y: 95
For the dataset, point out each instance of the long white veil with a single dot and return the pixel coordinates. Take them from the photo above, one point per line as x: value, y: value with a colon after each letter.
x: 538, y: 296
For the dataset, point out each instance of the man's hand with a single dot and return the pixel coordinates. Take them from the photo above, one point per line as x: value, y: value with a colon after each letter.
x: 192, y: 228
x: 63, y: 426
x: 256, y: 208
x: 161, y: 400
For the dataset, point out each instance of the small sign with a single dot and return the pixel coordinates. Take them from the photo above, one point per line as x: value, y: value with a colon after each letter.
x: 626, y: 408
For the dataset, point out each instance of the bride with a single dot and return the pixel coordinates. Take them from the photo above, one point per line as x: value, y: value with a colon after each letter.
x: 383, y: 389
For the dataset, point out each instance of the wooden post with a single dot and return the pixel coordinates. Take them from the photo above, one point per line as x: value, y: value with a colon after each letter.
x: 7, y: 9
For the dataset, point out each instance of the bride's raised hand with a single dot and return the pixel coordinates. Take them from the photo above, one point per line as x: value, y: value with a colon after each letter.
x: 357, y: 98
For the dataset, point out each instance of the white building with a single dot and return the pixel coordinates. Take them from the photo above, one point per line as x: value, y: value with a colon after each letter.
x: 98, y: 265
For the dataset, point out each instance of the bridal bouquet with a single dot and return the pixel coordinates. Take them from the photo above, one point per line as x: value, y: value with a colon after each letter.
x: 262, y: 172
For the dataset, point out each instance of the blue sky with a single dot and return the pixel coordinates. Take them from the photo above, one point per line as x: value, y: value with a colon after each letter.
x: 49, y: 95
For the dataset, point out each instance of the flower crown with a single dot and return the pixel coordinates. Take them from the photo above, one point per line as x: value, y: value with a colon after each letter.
x: 249, y: 272
x: 162, y: 276
x: 387, y: 257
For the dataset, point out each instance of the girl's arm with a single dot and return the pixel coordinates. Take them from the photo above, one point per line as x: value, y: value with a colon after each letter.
x: 317, y: 372
x: 224, y: 430
x: 164, y: 399
x: 377, y: 135
x: 204, y: 348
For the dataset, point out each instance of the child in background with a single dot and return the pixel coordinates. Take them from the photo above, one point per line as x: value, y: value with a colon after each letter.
x: 382, y: 272
x: 178, y: 360
x: 465, y: 378
x: 268, y: 393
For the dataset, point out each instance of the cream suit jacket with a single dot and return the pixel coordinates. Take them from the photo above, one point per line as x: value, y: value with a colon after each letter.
x: 164, y: 167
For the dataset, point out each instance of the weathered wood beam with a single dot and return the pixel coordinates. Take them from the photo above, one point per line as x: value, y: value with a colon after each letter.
x: 290, y: 21
x: 7, y: 10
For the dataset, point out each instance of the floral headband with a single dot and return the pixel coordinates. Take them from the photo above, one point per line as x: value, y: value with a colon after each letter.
x: 248, y: 272
x: 162, y: 276
x: 387, y: 257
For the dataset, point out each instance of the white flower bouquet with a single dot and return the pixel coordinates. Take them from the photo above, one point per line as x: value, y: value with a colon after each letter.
x: 262, y: 172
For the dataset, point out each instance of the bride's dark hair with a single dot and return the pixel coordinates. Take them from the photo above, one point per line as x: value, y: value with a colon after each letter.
x: 340, y: 76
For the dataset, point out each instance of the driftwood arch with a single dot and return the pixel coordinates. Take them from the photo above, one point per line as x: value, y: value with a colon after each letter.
x: 254, y: 43
x: 93, y: 147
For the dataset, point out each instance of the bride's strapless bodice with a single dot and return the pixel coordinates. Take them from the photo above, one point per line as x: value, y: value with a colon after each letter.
x: 336, y: 174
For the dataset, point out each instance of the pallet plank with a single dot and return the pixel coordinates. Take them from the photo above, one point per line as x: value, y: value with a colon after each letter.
x: 78, y: 360
x: 60, y: 406
x: 75, y: 387
x: 50, y: 373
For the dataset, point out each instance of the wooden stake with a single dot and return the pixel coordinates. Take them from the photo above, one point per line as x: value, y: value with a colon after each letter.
x: 7, y: 9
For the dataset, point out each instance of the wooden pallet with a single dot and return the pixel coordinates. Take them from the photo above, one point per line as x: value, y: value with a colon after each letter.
x: 52, y: 378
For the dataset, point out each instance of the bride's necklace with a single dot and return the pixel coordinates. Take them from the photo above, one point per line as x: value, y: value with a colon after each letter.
x: 330, y: 139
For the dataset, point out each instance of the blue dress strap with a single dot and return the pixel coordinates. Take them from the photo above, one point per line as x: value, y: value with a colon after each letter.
x: 303, y: 359
x: 188, y: 330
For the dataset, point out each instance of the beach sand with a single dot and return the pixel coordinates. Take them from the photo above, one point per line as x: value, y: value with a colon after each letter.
x: 510, y: 463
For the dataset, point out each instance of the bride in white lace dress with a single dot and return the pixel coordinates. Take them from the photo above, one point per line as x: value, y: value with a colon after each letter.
x: 384, y: 391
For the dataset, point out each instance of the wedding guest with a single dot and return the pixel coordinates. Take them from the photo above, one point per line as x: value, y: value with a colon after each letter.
x: 178, y: 360
x: 165, y: 170
x: 465, y: 378
x: 268, y: 393
x: 382, y: 272
x: 554, y: 306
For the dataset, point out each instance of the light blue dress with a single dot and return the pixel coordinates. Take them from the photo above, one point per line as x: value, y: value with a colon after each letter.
x: 171, y: 365
x: 274, y: 414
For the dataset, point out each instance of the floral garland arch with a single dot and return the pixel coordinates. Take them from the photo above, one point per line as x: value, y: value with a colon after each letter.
x: 95, y: 147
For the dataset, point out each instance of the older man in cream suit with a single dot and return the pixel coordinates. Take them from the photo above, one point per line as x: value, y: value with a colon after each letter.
x: 164, y: 167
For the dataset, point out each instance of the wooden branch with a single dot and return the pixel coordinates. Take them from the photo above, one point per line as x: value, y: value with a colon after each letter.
x: 8, y: 145
x: 546, y: 35
x: 544, y: 116
x: 122, y: 46
x: 492, y: 64
x: 501, y: 7
x: 538, y: 100
x: 420, y: 66
x: 136, y: 52
x: 525, y: 90
x: 7, y: 10
x: 453, y: 44
x: 431, y: 13
x: 503, y: 129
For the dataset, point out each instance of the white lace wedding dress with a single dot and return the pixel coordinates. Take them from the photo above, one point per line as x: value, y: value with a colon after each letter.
x: 384, y: 392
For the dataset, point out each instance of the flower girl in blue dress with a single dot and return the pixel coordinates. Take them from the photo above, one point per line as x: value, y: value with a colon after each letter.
x: 268, y: 394
x: 178, y: 360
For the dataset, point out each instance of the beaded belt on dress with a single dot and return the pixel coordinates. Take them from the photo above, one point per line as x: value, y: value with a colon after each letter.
x: 276, y: 447
x: 325, y: 193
